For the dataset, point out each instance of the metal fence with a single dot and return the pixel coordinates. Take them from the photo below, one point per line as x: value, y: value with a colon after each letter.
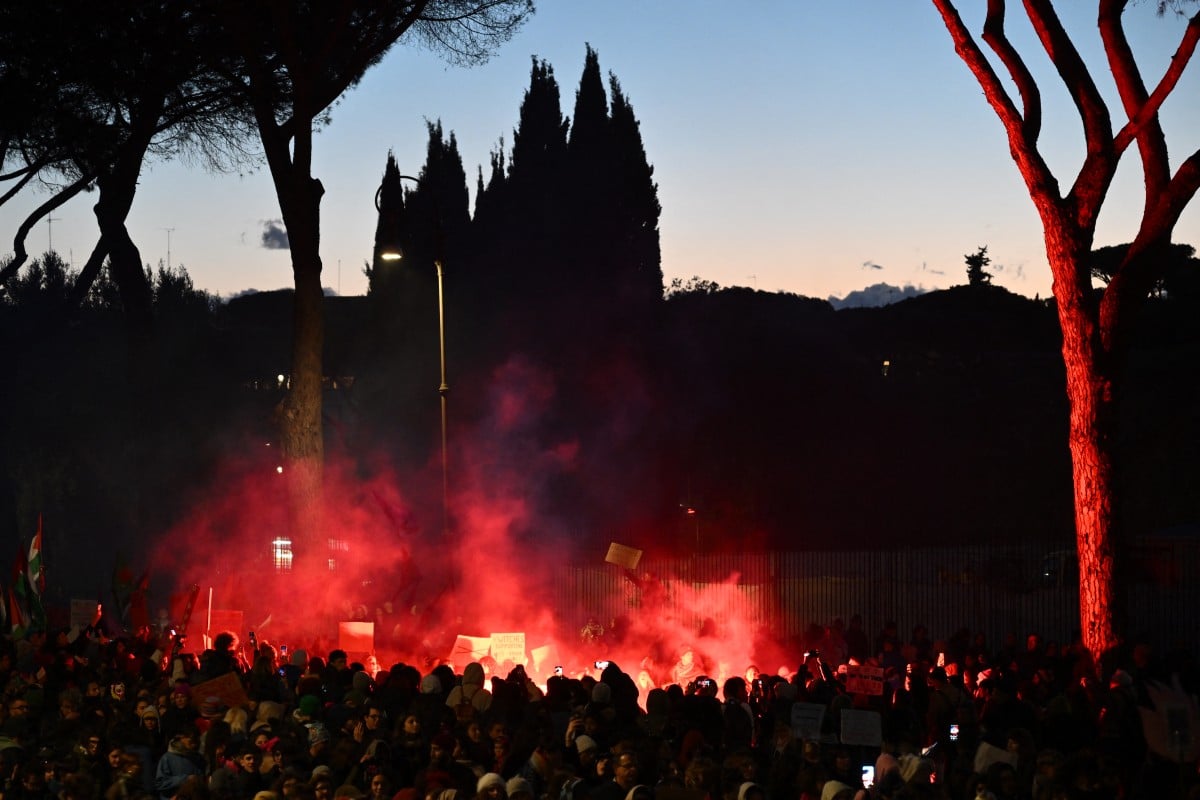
x: 995, y: 590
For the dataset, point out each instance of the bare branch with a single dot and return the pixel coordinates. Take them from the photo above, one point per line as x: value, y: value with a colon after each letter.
x: 1151, y: 141
x: 21, y: 184
x: 1043, y: 187
x: 65, y: 194
x: 1031, y: 97
x: 1151, y: 105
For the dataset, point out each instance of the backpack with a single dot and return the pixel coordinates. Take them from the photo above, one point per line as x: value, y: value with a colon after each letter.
x: 464, y: 710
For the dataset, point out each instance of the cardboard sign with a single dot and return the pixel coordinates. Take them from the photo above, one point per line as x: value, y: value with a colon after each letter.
x: 623, y: 556
x: 508, y: 647
x: 356, y: 637
x: 469, y: 648
x: 545, y: 659
x: 806, y: 720
x: 862, y: 727
x: 863, y: 679
x: 228, y: 688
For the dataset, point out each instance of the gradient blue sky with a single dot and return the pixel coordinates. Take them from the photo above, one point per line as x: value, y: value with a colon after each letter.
x: 802, y: 146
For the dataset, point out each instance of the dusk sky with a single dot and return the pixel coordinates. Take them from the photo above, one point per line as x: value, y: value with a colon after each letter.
x: 800, y: 146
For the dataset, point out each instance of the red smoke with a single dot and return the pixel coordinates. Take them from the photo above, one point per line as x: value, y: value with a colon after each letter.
x: 493, y: 571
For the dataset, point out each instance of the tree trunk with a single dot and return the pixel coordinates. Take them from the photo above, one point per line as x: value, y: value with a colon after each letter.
x: 299, y: 414
x: 117, y: 190
x: 1091, y: 390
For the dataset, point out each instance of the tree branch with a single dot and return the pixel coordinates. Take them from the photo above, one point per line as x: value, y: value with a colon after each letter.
x: 1150, y: 106
x: 1031, y: 97
x: 1091, y: 184
x: 1151, y: 141
x: 20, y: 255
x: 1042, y: 185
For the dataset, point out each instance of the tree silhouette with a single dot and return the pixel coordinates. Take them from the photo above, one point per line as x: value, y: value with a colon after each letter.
x: 977, y: 274
x: 292, y: 61
x: 1095, y: 334
x: 113, y: 84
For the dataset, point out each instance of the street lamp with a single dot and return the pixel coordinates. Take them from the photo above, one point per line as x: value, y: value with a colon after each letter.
x: 389, y: 249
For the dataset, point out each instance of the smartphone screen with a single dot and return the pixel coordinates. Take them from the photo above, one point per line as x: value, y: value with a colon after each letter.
x: 868, y: 775
x: 954, y: 731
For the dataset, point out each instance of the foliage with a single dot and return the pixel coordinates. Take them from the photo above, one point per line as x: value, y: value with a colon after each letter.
x: 694, y: 285
x: 1179, y: 275
x: 977, y: 274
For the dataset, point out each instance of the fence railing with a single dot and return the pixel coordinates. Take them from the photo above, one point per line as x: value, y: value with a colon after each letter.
x: 994, y: 590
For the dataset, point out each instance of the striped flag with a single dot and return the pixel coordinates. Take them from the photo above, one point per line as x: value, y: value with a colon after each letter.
x: 18, y: 615
x: 37, y: 575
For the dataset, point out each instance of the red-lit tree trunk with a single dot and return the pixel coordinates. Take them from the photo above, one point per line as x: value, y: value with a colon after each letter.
x: 1094, y: 325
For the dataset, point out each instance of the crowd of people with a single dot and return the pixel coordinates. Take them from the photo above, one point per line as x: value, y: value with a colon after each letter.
x: 85, y: 716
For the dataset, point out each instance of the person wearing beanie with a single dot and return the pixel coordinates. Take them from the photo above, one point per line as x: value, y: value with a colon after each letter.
x: 836, y: 790
x: 491, y: 787
x: 518, y: 788
x: 750, y: 791
x: 180, y: 712
x: 308, y: 709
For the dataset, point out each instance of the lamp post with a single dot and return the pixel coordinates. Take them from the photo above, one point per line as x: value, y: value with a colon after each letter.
x: 389, y: 249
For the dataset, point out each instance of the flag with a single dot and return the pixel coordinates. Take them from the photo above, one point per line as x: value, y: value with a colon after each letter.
x: 18, y: 617
x: 37, y: 575
x: 18, y: 592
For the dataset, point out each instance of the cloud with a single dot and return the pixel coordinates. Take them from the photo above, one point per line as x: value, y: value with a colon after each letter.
x: 1018, y: 271
x: 274, y: 235
x: 871, y: 265
x: 879, y: 294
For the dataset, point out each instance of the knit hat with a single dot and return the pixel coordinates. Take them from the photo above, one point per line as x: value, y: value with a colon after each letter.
x: 518, y: 785
x: 183, y: 688
x: 149, y: 712
x: 431, y: 684
x: 746, y: 788
x: 299, y: 658
x: 310, y: 705
x: 317, y: 733
x: 489, y: 781
x: 585, y: 743
x: 601, y: 693
x: 212, y: 707
x: 833, y: 788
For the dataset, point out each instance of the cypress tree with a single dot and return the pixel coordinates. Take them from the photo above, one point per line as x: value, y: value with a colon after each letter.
x: 637, y: 255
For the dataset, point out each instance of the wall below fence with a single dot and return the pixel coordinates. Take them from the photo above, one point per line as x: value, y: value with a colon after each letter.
x: 995, y: 590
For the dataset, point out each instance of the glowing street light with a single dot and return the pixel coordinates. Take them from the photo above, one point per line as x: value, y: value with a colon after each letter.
x: 389, y: 249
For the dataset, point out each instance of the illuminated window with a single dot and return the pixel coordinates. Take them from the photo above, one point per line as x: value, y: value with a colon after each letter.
x: 281, y: 554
